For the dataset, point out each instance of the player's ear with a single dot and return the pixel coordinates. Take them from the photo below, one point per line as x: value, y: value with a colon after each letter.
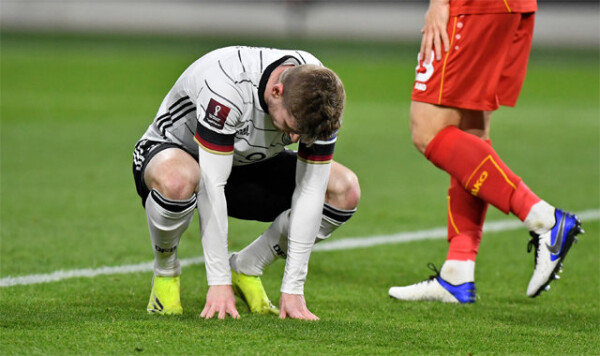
x: 277, y: 90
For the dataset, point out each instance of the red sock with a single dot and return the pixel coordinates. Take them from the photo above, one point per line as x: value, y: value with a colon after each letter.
x: 480, y: 171
x: 466, y: 214
x: 522, y: 200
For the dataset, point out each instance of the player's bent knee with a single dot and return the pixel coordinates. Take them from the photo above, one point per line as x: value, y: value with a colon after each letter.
x: 174, y: 173
x: 352, y: 195
x: 177, y: 186
x: 427, y: 120
x: 418, y: 130
x: 343, y: 190
x: 421, y: 137
x: 420, y: 141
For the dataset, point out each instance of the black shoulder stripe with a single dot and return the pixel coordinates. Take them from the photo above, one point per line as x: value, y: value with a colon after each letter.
x: 193, y: 108
x: 178, y: 101
x: 174, y: 109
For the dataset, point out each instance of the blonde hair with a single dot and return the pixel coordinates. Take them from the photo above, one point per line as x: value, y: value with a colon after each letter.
x: 315, y: 96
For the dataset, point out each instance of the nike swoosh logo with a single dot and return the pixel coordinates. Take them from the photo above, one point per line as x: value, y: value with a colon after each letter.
x: 555, y: 248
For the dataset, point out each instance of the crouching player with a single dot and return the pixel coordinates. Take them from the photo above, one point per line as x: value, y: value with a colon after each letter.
x: 218, y: 143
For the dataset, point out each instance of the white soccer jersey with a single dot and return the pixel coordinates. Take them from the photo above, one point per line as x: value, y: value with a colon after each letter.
x: 224, y: 92
x: 219, y: 102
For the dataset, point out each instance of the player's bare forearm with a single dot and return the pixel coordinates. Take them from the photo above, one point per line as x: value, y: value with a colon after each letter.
x: 220, y: 301
x: 435, y: 38
x: 294, y: 306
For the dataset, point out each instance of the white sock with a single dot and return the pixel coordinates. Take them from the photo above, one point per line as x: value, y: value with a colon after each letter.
x: 332, y: 219
x: 253, y: 259
x: 540, y: 218
x: 167, y: 220
x: 458, y: 272
x: 273, y: 243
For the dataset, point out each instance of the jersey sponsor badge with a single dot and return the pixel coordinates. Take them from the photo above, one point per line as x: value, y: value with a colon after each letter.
x: 216, y: 114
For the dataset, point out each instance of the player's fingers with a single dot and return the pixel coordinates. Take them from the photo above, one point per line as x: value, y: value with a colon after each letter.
x: 222, y: 313
x: 234, y: 314
x: 232, y: 311
x: 204, y: 311
x: 428, y: 48
x: 302, y: 315
x: 286, y: 311
x: 310, y: 316
x: 437, y: 46
x: 422, y: 49
x: 445, y: 40
x: 295, y: 315
x: 210, y: 313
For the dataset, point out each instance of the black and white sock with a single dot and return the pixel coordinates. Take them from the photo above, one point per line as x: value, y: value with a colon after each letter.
x: 273, y: 243
x: 167, y: 220
x: 332, y: 219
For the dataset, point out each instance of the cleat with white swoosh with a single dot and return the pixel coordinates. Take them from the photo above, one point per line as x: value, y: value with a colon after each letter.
x: 550, y: 251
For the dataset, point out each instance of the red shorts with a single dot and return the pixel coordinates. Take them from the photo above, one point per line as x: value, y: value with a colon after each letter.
x: 485, y: 66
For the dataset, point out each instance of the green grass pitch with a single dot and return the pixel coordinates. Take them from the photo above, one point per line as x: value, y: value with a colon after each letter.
x: 72, y: 108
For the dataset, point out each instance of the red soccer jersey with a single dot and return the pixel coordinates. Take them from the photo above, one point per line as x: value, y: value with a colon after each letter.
x: 462, y: 7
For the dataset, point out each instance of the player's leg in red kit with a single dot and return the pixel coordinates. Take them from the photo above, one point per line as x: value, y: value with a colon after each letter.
x: 480, y: 74
x: 482, y: 173
x: 465, y: 215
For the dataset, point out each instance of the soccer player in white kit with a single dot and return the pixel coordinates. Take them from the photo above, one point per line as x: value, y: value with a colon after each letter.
x: 218, y: 143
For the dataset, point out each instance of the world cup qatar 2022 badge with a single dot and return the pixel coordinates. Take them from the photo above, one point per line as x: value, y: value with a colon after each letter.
x: 216, y: 114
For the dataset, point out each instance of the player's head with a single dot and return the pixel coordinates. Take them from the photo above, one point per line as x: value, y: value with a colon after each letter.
x: 314, y: 97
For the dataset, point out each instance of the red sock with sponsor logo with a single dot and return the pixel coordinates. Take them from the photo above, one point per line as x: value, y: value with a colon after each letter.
x: 466, y: 214
x: 480, y: 171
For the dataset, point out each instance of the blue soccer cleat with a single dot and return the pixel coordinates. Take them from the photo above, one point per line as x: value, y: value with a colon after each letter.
x: 435, y: 289
x: 550, y: 250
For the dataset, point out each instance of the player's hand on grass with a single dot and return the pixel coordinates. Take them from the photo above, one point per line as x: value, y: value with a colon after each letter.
x: 294, y: 306
x: 220, y: 301
x: 434, y: 32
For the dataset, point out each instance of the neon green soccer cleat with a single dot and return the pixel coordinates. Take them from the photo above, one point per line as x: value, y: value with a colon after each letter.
x: 164, y: 298
x: 252, y: 292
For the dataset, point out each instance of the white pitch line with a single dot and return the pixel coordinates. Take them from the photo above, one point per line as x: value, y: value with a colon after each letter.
x: 339, y: 244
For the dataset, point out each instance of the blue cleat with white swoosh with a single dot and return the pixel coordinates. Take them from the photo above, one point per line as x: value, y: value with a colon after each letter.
x: 550, y: 250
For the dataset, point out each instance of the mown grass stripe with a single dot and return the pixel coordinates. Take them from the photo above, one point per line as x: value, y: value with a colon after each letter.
x: 339, y: 244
